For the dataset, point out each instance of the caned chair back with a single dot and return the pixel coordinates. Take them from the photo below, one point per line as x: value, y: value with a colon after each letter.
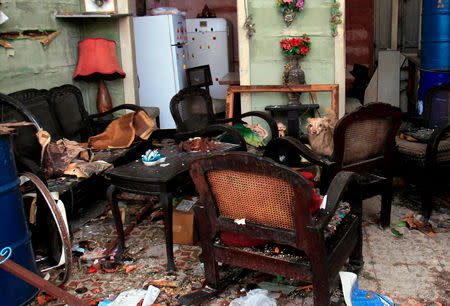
x: 191, y: 109
x: 364, y: 139
x: 267, y: 195
x: 256, y: 198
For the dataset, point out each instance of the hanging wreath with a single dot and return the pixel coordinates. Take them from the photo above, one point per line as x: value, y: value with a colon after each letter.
x: 336, y: 17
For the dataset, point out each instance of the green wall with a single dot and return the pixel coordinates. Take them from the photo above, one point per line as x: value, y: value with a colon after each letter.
x: 30, y: 65
x: 266, y: 60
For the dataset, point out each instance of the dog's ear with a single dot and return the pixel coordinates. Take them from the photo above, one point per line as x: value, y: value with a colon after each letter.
x: 309, y: 120
x: 328, y: 122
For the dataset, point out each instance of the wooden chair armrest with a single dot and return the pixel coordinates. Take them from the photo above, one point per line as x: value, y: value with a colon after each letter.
x: 345, y: 185
x: 266, y: 117
x: 132, y: 107
x: 98, y: 122
x: 433, y: 143
x: 21, y: 108
x: 296, y: 145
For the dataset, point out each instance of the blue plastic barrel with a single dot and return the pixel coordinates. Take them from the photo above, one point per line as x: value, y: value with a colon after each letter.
x: 14, y: 231
x: 435, y: 35
x: 429, y: 79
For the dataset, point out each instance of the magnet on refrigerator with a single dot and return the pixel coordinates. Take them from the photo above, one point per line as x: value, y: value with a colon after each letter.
x: 208, y: 44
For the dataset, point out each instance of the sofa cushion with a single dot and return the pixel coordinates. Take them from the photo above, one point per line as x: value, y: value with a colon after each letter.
x: 37, y: 102
x: 67, y: 103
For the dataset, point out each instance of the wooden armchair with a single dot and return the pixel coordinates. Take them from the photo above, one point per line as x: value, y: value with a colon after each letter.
x: 363, y: 143
x: 200, y: 76
x: 193, y: 114
x: 427, y: 162
x: 274, y: 201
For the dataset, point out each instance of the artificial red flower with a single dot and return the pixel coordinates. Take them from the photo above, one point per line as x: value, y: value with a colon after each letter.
x: 304, y: 50
x: 296, y: 45
x: 295, y: 42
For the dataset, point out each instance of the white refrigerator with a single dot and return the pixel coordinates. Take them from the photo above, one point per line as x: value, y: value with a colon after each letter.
x: 160, y: 44
x: 209, y: 44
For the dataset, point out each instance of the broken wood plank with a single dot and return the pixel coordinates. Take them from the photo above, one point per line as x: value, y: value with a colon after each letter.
x: 39, y: 282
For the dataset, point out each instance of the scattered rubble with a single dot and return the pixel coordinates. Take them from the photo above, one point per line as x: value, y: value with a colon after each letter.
x: 143, y: 268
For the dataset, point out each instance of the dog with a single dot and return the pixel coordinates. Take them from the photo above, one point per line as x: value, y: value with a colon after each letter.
x: 320, y: 133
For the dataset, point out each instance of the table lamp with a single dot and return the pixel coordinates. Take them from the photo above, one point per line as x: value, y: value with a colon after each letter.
x: 97, y: 61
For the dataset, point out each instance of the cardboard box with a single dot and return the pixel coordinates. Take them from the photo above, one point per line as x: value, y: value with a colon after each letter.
x: 183, y: 227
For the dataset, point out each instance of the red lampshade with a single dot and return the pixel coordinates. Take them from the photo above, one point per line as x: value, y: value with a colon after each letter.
x: 98, y: 60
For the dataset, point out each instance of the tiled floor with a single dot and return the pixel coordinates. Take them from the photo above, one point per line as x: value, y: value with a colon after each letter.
x: 413, y: 268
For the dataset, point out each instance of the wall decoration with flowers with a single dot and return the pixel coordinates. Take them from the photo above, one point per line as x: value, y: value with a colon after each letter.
x: 290, y: 8
x: 336, y: 17
x: 249, y: 24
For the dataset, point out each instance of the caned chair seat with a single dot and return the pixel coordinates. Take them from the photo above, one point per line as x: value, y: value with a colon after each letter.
x: 427, y: 163
x: 416, y: 151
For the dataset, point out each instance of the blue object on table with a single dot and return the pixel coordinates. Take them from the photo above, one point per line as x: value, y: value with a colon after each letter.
x: 152, y: 157
x: 14, y: 231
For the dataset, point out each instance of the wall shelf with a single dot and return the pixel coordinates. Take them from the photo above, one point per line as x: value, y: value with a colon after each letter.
x: 66, y: 15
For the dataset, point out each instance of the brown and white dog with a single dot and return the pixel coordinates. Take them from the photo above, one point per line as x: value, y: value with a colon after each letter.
x: 320, y: 133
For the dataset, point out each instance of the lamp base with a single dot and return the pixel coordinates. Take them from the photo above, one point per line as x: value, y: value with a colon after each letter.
x: 104, y: 102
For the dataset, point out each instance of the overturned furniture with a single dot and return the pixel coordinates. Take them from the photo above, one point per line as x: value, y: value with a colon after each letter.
x: 363, y: 143
x: 274, y: 202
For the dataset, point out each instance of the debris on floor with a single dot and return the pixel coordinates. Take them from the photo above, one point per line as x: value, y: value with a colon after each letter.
x: 354, y: 296
x: 424, y: 227
x: 412, y: 269
x: 259, y: 297
x: 277, y: 287
x: 411, y: 222
x: 129, y: 297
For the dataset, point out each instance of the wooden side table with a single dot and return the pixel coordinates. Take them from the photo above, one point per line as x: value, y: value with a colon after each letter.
x: 293, y: 111
x: 135, y: 177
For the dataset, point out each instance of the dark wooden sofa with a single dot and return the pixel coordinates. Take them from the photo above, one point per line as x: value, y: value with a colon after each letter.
x: 61, y: 112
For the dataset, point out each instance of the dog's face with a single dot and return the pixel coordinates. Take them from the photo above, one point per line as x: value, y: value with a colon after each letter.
x: 315, y: 126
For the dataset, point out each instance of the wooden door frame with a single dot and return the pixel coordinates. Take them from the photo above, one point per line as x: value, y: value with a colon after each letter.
x: 333, y: 88
x: 244, y: 58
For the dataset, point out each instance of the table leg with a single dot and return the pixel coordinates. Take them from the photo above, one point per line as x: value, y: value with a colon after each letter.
x: 111, y: 195
x: 166, y: 201
x: 293, y: 123
x: 237, y: 105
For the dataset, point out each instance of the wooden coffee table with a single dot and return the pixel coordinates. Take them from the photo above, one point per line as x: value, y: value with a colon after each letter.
x: 137, y: 178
